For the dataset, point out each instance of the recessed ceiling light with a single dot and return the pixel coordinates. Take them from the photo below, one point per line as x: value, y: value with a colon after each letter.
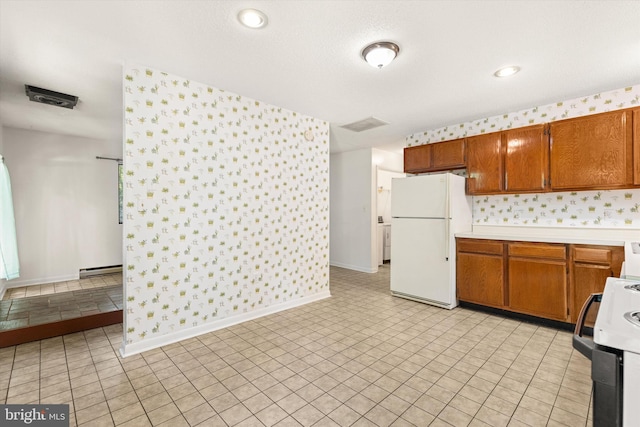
x: 380, y: 54
x: 507, y: 71
x: 252, y: 18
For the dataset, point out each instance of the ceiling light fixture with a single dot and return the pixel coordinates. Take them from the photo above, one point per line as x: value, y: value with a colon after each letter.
x: 507, y: 71
x: 252, y: 18
x: 380, y: 54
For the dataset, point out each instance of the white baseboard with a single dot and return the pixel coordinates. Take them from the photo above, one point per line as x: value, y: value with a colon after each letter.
x: 149, y: 344
x: 354, y: 267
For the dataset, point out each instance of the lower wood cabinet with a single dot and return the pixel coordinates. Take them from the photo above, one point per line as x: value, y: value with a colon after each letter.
x: 480, y: 272
x: 546, y: 280
x: 538, y: 280
x: 590, y: 267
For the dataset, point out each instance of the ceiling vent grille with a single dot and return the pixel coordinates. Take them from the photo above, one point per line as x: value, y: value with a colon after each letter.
x: 50, y: 97
x: 364, y: 124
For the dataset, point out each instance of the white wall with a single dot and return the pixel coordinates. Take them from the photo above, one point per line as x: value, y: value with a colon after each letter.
x: 354, y: 206
x: 352, y: 195
x: 65, y: 203
x: 387, y: 160
x: 383, y: 193
x: 3, y: 285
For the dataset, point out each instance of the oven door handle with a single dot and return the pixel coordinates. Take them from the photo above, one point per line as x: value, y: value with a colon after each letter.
x: 583, y: 345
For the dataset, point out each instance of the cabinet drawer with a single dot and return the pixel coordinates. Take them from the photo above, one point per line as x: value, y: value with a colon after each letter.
x: 592, y: 255
x: 538, y: 250
x: 480, y: 246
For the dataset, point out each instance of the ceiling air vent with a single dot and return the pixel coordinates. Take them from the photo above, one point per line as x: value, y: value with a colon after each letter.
x: 50, y: 97
x: 364, y: 124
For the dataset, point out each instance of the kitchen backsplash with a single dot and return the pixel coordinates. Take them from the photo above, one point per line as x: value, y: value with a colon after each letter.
x: 598, y: 209
x: 226, y: 205
x: 595, y: 209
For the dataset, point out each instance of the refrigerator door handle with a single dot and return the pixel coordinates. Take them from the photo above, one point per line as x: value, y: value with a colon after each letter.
x: 446, y: 238
x: 447, y: 220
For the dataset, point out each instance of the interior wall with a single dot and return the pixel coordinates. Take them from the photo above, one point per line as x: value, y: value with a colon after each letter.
x: 226, y: 208
x: 353, y: 234
x: 3, y: 283
x: 388, y: 160
x: 65, y: 203
x: 383, y: 193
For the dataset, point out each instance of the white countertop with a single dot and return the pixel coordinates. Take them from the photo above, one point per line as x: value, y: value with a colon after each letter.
x: 586, y: 236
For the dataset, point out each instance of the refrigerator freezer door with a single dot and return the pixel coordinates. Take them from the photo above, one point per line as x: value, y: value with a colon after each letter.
x: 420, y: 268
x: 422, y: 196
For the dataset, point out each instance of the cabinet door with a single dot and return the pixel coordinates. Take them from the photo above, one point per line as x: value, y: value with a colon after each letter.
x: 590, y: 267
x: 480, y: 279
x: 417, y: 159
x: 538, y: 287
x: 587, y: 279
x: 526, y: 160
x: 484, y: 164
x: 448, y: 155
x: 592, y: 152
x: 636, y: 146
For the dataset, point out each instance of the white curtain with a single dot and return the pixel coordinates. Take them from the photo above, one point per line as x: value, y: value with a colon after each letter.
x: 9, y: 265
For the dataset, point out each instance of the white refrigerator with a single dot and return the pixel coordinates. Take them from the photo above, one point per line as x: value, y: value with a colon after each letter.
x: 426, y: 212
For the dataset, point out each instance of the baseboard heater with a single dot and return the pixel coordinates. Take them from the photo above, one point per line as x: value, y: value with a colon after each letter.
x: 86, y: 272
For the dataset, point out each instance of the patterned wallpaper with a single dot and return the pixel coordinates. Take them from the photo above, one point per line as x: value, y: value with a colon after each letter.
x: 600, y: 103
x: 226, y: 205
x: 588, y: 209
x: 607, y: 209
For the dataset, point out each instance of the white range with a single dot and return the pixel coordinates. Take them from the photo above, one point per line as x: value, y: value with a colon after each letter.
x: 614, y: 353
x: 618, y: 326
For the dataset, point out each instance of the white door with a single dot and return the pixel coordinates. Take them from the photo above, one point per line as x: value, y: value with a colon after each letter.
x: 423, y: 196
x: 419, y: 261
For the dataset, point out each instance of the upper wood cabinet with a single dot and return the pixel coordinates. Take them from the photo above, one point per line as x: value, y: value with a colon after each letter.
x: 484, y: 164
x: 636, y: 146
x: 526, y: 159
x: 592, y: 152
x: 439, y: 156
x: 599, y: 151
x: 417, y: 159
x: 448, y: 155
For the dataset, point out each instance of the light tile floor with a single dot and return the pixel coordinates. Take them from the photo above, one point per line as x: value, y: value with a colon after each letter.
x: 60, y: 301
x: 91, y: 282
x: 359, y: 358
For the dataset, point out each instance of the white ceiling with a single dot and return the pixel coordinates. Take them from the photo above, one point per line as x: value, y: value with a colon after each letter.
x: 308, y: 58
